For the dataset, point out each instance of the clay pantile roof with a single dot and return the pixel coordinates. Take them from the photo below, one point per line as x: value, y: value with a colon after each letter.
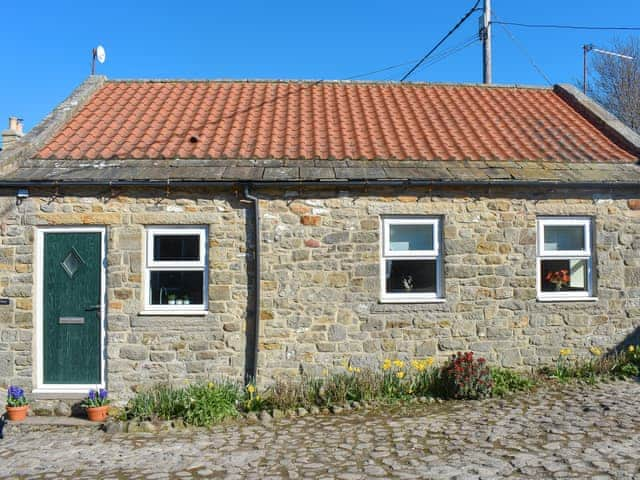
x: 323, y: 121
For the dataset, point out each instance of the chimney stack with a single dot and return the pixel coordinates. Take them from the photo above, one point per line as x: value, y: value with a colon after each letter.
x: 13, y: 133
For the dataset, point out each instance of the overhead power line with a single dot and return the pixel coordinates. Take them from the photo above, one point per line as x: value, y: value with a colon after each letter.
x: 441, y: 56
x: 384, y: 69
x: 524, y: 52
x: 442, y: 40
x: 447, y: 53
x: 570, y: 27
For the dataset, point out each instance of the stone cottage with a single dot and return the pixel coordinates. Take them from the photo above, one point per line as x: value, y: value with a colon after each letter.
x: 158, y: 231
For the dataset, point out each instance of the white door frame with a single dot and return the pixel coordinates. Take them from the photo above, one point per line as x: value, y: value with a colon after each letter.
x: 40, y: 386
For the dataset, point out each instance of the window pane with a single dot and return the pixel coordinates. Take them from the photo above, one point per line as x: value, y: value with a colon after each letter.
x: 564, y: 275
x: 564, y: 237
x: 410, y: 237
x: 183, y: 248
x: 176, y: 288
x: 411, y: 276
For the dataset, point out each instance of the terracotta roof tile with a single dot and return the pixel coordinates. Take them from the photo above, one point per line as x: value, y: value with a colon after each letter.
x: 328, y: 121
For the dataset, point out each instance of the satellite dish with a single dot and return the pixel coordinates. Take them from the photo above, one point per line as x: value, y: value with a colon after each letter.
x: 101, y: 55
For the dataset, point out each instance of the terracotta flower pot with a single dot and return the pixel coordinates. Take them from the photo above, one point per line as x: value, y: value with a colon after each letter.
x: 17, y: 414
x: 97, y: 414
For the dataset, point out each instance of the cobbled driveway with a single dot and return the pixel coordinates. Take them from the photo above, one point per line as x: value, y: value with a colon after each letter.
x: 571, y: 432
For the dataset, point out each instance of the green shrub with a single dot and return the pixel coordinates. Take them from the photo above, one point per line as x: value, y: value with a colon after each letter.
x: 464, y: 377
x: 211, y: 403
x: 197, y: 404
x: 629, y: 370
x: 507, y: 381
x: 628, y: 362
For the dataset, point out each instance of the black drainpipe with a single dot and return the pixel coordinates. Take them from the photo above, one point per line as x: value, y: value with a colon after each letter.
x: 251, y: 365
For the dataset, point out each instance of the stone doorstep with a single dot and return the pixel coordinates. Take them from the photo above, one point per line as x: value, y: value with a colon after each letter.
x: 67, y: 397
x: 37, y: 422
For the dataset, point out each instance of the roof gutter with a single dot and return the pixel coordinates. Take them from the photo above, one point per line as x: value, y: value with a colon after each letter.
x: 316, y: 183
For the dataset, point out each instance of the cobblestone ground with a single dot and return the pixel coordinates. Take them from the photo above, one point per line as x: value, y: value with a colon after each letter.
x: 572, y: 432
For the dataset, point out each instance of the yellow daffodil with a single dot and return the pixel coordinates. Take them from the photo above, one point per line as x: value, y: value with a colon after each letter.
x: 251, y: 388
x: 398, y: 363
x: 400, y: 375
x: 210, y: 385
x: 631, y: 348
x: 421, y: 365
x: 429, y: 361
x: 595, y: 351
x: 386, y: 364
x: 565, y: 352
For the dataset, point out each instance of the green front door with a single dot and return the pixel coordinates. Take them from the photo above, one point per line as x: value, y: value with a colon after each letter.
x: 71, y: 307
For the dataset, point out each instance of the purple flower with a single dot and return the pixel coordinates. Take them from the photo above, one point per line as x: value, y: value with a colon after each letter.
x: 92, y: 395
x: 15, y: 392
x: 102, y: 394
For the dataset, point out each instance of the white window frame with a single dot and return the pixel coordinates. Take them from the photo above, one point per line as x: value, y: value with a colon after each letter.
x: 434, y: 254
x: 199, y: 265
x: 585, y: 254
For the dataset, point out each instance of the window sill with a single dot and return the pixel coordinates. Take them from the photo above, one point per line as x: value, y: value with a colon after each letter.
x: 566, y: 299
x: 175, y: 313
x: 412, y: 300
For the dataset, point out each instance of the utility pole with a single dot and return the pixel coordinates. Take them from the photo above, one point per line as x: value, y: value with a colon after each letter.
x: 485, y: 33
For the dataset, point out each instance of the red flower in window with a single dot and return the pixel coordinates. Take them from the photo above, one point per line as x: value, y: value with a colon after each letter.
x: 560, y: 278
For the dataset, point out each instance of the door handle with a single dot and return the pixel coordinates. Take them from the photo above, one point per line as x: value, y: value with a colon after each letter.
x: 93, y: 308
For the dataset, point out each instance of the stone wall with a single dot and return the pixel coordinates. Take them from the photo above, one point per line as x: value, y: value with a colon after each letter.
x: 321, y: 280
x: 141, y: 349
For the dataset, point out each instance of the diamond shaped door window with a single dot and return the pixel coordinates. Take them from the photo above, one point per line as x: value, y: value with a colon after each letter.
x: 72, y: 262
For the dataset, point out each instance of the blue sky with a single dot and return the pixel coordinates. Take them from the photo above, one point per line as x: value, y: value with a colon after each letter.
x: 47, y: 45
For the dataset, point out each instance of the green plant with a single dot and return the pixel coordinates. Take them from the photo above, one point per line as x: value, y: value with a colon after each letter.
x: 395, y: 383
x: 96, y: 398
x: 507, y: 381
x: 253, y: 402
x: 628, y: 362
x: 629, y: 370
x: 286, y: 393
x: 211, y: 403
x: 563, y: 369
x: 355, y: 386
x: 424, y: 378
x: 366, y: 385
x: 465, y: 377
x: 633, y: 354
x: 197, y: 404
